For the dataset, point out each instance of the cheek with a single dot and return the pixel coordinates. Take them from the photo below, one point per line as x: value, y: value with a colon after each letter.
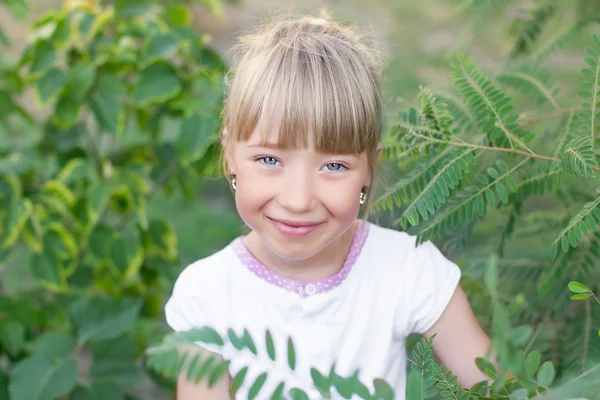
x: 251, y: 193
x: 342, y: 201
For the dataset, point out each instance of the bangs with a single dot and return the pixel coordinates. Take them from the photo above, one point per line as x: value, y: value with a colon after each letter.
x: 300, y: 86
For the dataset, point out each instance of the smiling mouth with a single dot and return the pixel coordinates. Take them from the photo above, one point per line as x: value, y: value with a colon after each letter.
x: 295, y: 228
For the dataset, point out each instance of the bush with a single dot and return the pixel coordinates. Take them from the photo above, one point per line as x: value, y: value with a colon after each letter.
x: 130, y: 96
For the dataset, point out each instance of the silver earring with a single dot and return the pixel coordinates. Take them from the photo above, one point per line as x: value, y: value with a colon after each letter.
x: 363, y: 197
x: 233, y: 183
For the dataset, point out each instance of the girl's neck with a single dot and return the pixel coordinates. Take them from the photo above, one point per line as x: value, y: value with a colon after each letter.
x: 322, y: 265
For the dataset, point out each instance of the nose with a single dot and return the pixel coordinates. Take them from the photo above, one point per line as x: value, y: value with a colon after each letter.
x: 296, y: 194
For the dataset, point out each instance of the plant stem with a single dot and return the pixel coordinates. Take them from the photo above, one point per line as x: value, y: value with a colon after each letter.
x: 490, y: 148
x: 555, y: 113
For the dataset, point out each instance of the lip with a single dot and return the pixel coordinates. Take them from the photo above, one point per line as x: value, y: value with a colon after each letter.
x: 294, y: 228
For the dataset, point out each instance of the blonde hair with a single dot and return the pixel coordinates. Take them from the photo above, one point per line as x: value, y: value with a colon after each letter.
x: 307, y: 73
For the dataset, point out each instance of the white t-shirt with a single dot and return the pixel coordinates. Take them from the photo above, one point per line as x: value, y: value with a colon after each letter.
x: 358, y: 319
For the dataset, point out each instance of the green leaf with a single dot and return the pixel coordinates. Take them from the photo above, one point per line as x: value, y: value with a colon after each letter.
x: 44, y: 58
x: 52, y: 380
x: 157, y: 84
x: 178, y: 14
x: 512, y: 183
x: 257, y: 386
x: 12, y: 336
x: 577, y: 287
x: 532, y: 363
x: 519, y: 394
x: 486, y: 367
x: 80, y: 80
x: 581, y: 296
x: 106, y: 101
x: 45, y: 269
x: 197, y: 134
x: 159, y: 47
x: 414, y: 386
x: 545, y: 374
x: 127, y: 256
x: 520, y: 335
x: 383, y: 390
x: 491, y: 273
x: 102, y: 318
x: 502, y: 193
x: 237, y: 382
x: 51, y: 84
x: 67, y: 112
x: 125, y: 373
x: 132, y: 8
x: 270, y: 346
x: 291, y: 354
x: 53, y: 345
x: 160, y: 239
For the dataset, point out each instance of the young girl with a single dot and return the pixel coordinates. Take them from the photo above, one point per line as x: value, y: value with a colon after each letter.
x: 301, y: 132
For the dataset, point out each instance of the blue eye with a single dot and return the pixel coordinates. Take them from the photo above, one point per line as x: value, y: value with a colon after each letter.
x: 270, y: 161
x: 334, y: 167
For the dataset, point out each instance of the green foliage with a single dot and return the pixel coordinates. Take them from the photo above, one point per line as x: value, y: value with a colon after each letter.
x: 169, y: 360
x: 530, y: 193
x: 128, y: 101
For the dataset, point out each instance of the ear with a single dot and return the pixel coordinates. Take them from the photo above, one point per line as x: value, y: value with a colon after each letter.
x: 379, y: 152
x: 224, y: 136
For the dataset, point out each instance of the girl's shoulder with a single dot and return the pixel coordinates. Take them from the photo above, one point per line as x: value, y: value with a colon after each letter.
x: 401, y: 251
x: 388, y: 240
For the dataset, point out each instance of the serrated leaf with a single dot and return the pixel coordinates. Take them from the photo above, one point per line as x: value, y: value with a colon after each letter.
x: 106, y: 101
x: 157, y: 83
x: 51, y: 84
x: 159, y: 47
x: 53, y: 345
x: 102, y: 318
x: 52, y: 380
x: 127, y: 256
x: 12, y: 336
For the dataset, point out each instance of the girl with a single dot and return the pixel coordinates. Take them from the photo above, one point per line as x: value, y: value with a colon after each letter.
x: 301, y: 130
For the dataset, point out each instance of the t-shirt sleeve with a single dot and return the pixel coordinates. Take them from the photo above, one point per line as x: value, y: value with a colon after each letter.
x: 191, y: 307
x: 430, y: 282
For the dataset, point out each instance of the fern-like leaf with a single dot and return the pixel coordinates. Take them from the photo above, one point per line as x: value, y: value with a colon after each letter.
x: 463, y: 118
x: 542, y: 177
x: 529, y: 25
x: 491, y: 107
x: 410, y: 184
x: 435, y: 113
x: 468, y: 204
x: 531, y: 80
x: 555, y: 42
x: 438, y: 189
x: 579, y: 227
x: 589, y: 89
x: 579, y: 158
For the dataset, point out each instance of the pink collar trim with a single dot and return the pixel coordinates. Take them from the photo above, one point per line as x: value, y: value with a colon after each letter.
x: 304, y: 288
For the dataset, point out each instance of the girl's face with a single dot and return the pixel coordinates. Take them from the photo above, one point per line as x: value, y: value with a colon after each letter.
x: 298, y: 201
